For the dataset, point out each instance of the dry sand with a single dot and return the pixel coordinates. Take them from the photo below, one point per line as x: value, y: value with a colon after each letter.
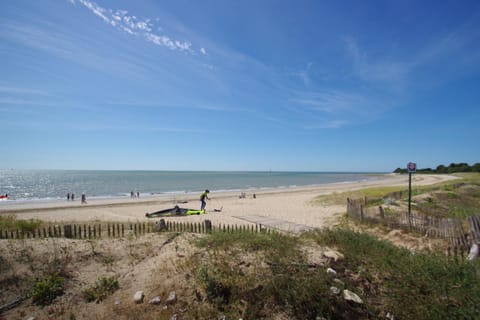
x: 282, y: 208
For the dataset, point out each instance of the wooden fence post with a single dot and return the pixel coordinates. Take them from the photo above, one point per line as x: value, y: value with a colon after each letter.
x: 67, y: 231
x: 208, y: 226
x: 382, y: 212
x: 161, y: 226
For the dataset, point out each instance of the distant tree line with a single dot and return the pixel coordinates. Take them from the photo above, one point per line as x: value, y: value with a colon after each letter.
x: 452, y: 168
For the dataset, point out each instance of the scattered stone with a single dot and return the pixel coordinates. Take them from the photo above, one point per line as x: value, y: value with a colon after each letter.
x: 351, y: 296
x: 31, y: 318
x: 117, y: 301
x: 138, y: 297
x: 223, y: 317
x: 333, y: 254
x: 339, y: 282
x: 172, y: 297
x: 174, y: 317
x: 331, y: 271
x: 334, y: 290
x: 474, y: 252
x: 390, y: 316
x: 155, y: 300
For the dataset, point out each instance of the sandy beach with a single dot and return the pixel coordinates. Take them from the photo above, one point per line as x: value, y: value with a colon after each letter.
x: 271, y: 207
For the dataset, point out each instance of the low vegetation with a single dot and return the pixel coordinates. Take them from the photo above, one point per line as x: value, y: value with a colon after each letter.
x: 242, y: 275
x: 457, y: 198
x: 263, y: 276
x: 10, y: 222
x: 44, y: 291
x: 102, y: 288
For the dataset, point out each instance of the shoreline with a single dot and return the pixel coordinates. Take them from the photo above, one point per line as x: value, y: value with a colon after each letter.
x: 174, y: 196
x: 286, y: 204
x: 108, y: 186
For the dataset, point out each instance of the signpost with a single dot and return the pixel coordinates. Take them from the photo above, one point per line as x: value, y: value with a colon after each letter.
x: 411, y: 168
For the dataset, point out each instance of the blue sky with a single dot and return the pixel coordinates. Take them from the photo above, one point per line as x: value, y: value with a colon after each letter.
x: 239, y: 85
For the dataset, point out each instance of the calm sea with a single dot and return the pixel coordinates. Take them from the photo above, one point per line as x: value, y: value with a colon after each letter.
x: 34, y: 185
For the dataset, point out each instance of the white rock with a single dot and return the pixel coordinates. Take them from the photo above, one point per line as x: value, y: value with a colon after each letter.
x: 138, y: 297
x: 172, y: 297
x: 390, y: 316
x: 331, y: 271
x: 155, y: 300
x: 334, y: 290
x: 474, y: 252
x: 339, y: 282
x: 351, y: 296
x: 332, y: 254
x: 117, y: 301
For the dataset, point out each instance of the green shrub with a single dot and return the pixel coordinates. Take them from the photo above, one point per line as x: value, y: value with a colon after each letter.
x: 27, y: 225
x: 46, y: 290
x: 216, y: 287
x: 102, y: 288
x: 10, y: 222
x: 7, y: 221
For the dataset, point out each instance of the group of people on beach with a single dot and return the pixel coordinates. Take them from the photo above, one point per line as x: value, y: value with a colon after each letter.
x: 71, y: 197
x: 134, y: 195
x: 203, y: 197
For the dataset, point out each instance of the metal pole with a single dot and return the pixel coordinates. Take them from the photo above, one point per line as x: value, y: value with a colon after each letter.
x: 409, y: 199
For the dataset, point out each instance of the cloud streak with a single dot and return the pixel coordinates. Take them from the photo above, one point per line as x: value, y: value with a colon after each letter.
x: 135, y: 26
x: 23, y: 91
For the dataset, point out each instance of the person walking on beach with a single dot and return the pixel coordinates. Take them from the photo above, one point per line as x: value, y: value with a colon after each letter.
x: 84, y: 198
x: 68, y: 196
x: 203, y: 198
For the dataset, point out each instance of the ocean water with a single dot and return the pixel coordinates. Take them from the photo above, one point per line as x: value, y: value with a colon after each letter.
x: 37, y: 185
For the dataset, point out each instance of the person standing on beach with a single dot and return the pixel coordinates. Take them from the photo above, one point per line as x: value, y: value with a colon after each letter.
x: 203, y: 198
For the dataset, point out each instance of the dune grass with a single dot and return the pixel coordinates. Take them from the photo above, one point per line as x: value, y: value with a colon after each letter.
x: 10, y: 222
x: 253, y: 276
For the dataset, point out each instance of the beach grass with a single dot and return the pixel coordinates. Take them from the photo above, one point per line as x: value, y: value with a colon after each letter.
x: 252, y: 276
x: 458, y: 198
x: 10, y: 222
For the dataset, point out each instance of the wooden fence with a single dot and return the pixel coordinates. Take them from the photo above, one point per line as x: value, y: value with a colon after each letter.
x: 451, y: 229
x: 118, y: 230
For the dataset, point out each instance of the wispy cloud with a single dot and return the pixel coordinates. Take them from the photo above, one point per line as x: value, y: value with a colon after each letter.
x: 327, y: 124
x: 130, y: 128
x: 335, y: 102
x: 335, y: 109
x: 135, y: 26
x: 23, y: 91
x: 206, y: 107
x: 382, y: 69
x: 304, y: 74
